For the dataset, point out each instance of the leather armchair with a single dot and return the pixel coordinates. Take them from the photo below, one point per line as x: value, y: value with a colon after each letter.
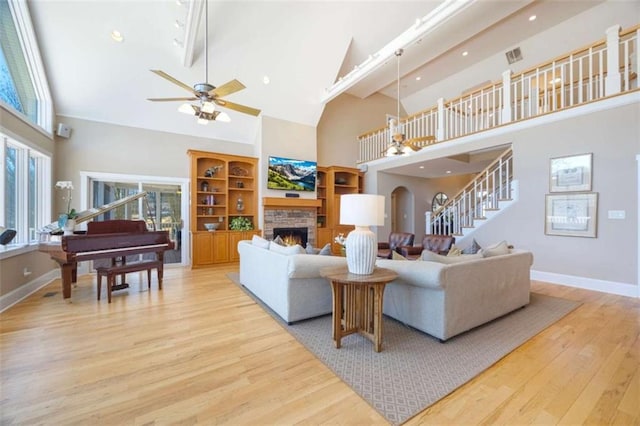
x: 436, y: 243
x: 396, y: 239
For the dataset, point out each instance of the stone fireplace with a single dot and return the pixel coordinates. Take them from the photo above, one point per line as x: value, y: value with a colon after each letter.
x: 290, y: 214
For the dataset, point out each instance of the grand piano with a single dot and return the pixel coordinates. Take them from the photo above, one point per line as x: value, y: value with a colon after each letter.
x: 103, y: 240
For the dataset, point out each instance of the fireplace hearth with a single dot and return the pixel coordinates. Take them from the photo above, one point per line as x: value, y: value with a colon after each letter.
x: 292, y: 236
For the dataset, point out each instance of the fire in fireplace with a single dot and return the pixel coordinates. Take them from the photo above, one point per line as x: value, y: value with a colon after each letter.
x: 292, y: 236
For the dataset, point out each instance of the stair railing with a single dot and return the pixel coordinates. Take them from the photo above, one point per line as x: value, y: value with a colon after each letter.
x: 482, y: 194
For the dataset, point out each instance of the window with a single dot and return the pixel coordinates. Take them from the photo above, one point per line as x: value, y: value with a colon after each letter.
x: 23, y: 84
x: 25, y: 189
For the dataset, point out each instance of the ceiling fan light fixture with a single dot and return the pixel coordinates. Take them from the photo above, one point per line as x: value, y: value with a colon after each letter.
x: 187, y: 109
x: 208, y: 107
x: 223, y: 116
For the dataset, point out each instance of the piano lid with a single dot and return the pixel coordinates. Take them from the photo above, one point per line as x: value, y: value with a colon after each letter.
x: 86, y: 215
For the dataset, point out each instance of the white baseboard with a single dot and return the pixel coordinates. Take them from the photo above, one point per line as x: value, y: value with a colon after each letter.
x: 612, y: 287
x: 22, y: 292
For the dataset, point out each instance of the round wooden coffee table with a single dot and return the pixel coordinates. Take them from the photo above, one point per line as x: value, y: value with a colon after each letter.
x: 357, y: 302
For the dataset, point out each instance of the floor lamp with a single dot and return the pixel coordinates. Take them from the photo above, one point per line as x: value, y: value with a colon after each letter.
x: 361, y: 210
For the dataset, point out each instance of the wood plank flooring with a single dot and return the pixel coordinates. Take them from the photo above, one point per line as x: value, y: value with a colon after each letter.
x: 202, y: 352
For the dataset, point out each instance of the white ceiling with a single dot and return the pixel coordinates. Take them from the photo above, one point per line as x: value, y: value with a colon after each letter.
x: 302, y: 46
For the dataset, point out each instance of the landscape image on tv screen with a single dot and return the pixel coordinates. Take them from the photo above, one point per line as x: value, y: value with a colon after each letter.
x: 291, y: 175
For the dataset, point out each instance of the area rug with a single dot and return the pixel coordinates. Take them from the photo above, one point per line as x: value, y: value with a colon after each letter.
x: 414, y: 370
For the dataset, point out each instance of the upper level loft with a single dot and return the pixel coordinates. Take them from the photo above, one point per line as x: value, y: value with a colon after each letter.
x: 606, y: 68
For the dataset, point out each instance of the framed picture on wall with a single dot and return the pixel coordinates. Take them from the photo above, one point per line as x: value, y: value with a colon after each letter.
x: 571, y: 173
x: 573, y: 215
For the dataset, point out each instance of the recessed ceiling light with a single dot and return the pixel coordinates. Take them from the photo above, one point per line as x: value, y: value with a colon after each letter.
x: 266, y: 79
x: 532, y: 18
x: 177, y: 42
x: 117, y: 36
x: 178, y: 24
x: 448, y: 172
x: 422, y: 167
x: 418, y: 78
x: 465, y: 53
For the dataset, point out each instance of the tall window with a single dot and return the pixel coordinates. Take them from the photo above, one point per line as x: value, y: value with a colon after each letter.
x: 23, y: 84
x: 25, y: 190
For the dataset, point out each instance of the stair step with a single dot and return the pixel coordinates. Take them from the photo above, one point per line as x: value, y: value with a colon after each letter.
x: 505, y: 199
x: 491, y: 210
x: 467, y: 227
x: 480, y: 218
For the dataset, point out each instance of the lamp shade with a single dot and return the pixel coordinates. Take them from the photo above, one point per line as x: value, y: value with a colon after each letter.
x: 362, y: 209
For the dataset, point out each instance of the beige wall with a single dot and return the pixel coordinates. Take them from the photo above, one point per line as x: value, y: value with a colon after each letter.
x: 343, y: 120
x: 102, y: 147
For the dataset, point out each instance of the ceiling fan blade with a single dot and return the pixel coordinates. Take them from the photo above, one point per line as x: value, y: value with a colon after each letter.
x: 171, y: 99
x: 227, y: 88
x: 173, y: 80
x: 237, y: 107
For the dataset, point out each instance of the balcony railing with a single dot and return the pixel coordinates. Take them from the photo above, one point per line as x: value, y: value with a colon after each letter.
x: 573, y: 79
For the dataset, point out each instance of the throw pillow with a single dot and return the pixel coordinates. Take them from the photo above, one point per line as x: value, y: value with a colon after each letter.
x: 286, y: 250
x: 397, y: 256
x: 497, y: 249
x: 454, y: 251
x: 473, y: 248
x: 279, y: 241
x: 260, y: 242
x: 311, y: 249
x: 326, y: 250
x: 435, y: 257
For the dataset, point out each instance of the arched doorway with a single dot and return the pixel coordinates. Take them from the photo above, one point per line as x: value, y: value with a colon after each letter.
x: 402, y: 210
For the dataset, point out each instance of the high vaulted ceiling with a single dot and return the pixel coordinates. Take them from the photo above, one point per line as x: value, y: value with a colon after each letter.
x: 302, y: 46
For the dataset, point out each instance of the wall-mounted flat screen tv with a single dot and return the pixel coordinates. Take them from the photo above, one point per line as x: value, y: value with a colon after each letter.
x: 291, y: 175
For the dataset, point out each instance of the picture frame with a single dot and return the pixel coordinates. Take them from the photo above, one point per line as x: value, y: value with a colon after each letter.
x: 571, y: 173
x: 572, y: 215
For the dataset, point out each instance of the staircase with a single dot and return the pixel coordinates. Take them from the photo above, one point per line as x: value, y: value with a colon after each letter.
x: 486, y: 196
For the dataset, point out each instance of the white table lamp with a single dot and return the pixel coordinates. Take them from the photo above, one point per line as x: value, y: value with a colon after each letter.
x: 361, y: 210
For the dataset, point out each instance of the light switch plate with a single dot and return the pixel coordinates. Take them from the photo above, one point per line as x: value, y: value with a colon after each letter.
x: 616, y: 214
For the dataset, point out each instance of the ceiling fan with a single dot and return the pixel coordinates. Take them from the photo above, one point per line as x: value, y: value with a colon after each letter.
x: 208, y: 94
x: 398, y: 144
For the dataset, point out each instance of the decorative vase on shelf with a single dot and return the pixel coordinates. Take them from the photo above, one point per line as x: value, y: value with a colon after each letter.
x: 69, y: 227
x: 240, y: 205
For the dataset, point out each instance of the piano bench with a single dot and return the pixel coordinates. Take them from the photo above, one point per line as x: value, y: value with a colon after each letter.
x: 112, y: 271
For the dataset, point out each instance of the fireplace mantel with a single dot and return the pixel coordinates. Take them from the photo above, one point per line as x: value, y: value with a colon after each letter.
x: 293, y: 203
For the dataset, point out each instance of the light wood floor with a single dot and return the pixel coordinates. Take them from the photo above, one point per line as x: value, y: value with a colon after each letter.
x: 202, y: 352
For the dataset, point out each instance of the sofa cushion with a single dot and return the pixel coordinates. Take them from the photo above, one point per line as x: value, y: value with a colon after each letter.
x: 397, y: 256
x: 326, y: 250
x: 454, y: 251
x: 311, y: 249
x: 287, y: 250
x: 473, y: 248
x: 260, y: 242
x: 435, y: 257
x: 278, y: 240
x: 497, y: 249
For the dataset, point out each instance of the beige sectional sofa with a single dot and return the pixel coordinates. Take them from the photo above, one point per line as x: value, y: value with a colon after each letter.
x: 444, y: 300
x: 440, y: 299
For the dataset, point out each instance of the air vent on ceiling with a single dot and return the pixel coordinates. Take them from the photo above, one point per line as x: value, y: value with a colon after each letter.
x: 514, y: 55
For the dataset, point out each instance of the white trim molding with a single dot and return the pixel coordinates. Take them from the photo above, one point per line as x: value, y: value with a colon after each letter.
x: 24, y: 291
x: 611, y: 287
